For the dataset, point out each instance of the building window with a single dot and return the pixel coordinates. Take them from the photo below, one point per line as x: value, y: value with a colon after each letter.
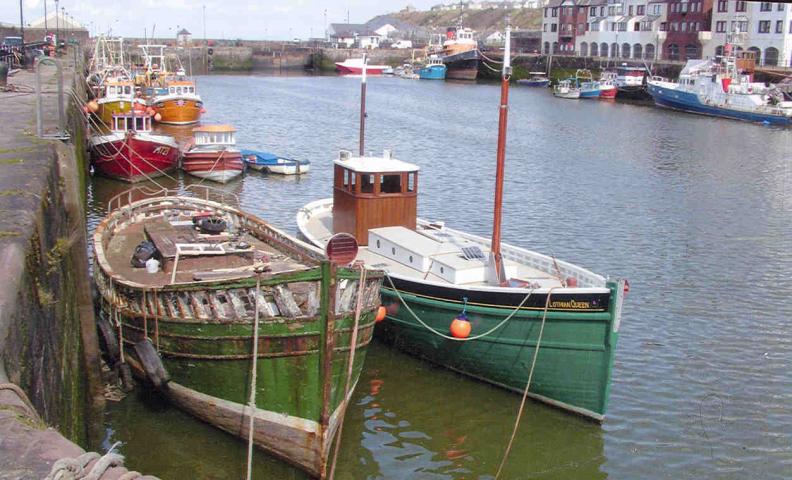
x: 765, y: 6
x: 544, y: 27
x: 663, y: 26
x: 637, y: 27
x: 779, y: 26
x: 656, y: 9
x: 740, y: 26
x: 739, y: 6
x: 683, y: 27
x: 593, y: 11
x: 554, y: 27
x: 630, y: 10
x: 723, y: 5
x: 790, y: 26
x: 780, y: 7
x: 545, y: 12
x: 720, y: 26
x: 674, y: 26
x: 684, y: 7
x: 554, y: 12
x: 764, y: 26
x: 640, y: 9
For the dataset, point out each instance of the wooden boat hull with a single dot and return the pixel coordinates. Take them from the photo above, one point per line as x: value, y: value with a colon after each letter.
x: 217, y: 165
x: 133, y: 157
x: 269, y: 162
x: 462, y: 66
x: 575, y: 361
x: 178, y: 111
x: 203, y: 332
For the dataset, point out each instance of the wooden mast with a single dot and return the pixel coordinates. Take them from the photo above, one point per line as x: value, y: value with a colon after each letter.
x: 496, y: 261
x: 363, y: 109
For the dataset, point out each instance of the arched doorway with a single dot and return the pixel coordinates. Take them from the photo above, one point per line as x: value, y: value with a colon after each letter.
x: 757, y: 54
x: 719, y: 51
x: 625, y: 50
x: 691, y: 51
x: 547, y: 48
x: 649, y: 53
x: 673, y: 52
x: 771, y: 56
x: 584, y: 49
x: 555, y: 47
x: 604, y: 50
x: 594, y: 49
x: 637, y: 50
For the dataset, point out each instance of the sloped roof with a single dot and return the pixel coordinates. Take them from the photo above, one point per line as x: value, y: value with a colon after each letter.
x: 184, y: 31
x: 352, y: 29
x: 63, y: 22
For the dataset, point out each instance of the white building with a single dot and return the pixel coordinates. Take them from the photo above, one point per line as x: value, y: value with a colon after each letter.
x: 766, y: 29
x: 495, y: 39
x: 632, y: 29
x: 350, y: 35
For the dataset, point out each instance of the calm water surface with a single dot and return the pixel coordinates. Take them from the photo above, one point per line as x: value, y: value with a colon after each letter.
x: 694, y: 211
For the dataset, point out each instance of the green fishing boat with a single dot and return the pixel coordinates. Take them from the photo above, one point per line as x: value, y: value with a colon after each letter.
x: 499, y: 313
x: 207, y: 279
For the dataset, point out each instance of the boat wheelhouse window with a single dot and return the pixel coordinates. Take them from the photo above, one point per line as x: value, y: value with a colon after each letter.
x: 178, y: 89
x: 172, y: 89
x: 367, y: 183
x: 411, y: 179
x: 140, y: 123
x: 390, y: 183
x: 127, y: 90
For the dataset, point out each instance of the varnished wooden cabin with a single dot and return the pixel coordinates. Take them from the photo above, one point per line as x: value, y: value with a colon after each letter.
x: 373, y: 192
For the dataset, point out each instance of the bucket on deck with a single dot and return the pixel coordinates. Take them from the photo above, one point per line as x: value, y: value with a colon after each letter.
x: 152, y: 265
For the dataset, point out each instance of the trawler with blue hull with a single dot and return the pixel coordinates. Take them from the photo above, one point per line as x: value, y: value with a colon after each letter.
x: 719, y: 88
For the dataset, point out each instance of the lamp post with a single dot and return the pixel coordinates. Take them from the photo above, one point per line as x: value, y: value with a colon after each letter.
x: 57, y: 25
x: 22, y: 27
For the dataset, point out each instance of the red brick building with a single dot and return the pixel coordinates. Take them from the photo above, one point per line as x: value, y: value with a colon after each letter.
x: 689, y: 22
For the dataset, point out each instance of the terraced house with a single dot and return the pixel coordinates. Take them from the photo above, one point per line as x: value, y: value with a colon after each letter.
x: 630, y: 29
x: 765, y: 30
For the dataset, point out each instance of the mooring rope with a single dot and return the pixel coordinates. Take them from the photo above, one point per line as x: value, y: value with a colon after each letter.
x: 31, y: 410
x: 448, y: 337
x: 527, y: 387
x: 77, y: 468
x: 253, y: 380
x: 351, y: 362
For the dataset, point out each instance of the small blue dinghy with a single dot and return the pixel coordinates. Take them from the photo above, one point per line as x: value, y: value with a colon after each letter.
x: 274, y: 163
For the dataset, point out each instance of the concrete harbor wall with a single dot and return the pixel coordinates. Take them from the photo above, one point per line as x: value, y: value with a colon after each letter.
x: 50, y: 384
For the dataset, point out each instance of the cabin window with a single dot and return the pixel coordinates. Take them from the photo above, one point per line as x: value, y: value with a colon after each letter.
x: 390, y: 183
x: 411, y: 182
x: 139, y: 123
x: 367, y: 183
x: 172, y: 89
x: 127, y: 90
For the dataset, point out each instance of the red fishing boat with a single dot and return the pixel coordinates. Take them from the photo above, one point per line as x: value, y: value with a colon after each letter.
x: 130, y: 152
x: 213, y: 154
x: 354, y: 66
x: 607, y: 85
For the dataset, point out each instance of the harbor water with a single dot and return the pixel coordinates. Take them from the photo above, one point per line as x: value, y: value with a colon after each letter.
x: 696, y: 212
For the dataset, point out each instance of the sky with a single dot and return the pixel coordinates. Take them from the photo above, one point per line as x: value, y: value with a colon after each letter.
x: 230, y: 19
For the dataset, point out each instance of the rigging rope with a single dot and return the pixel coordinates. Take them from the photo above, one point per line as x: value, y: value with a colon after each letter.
x: 253, y: 380
x: 351, y: 362
x: 527, y: 387
x: 448, y: 337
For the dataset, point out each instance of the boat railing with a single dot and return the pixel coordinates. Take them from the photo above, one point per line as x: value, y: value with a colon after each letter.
x: 138, y: 193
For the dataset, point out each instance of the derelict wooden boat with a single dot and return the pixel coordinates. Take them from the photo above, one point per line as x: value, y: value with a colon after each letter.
x: 198, y: 309
x: 270, y: 162
x: 498, y: 313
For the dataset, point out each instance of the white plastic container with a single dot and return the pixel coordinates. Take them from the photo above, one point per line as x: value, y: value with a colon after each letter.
x: 152, y: 265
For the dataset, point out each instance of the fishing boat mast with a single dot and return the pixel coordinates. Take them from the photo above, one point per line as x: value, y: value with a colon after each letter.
x: 363, y: 108
x: 496, y: 260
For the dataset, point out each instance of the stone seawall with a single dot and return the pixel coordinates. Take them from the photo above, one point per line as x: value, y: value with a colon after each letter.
x: 50, y: 385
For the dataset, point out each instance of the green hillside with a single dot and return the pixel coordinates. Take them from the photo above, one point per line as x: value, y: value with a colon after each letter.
x: 486, y: 20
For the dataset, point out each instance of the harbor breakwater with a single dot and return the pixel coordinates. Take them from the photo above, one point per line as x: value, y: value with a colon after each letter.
x: 50, y: 381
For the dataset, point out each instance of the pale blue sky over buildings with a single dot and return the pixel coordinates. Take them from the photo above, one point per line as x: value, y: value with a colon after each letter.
x: 230, y: 19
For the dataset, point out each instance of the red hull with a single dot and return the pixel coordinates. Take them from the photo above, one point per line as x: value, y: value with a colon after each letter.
x: 220, y: 165
x: 608, y: 93
x: 344, y: 70
x: 134, y: 159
